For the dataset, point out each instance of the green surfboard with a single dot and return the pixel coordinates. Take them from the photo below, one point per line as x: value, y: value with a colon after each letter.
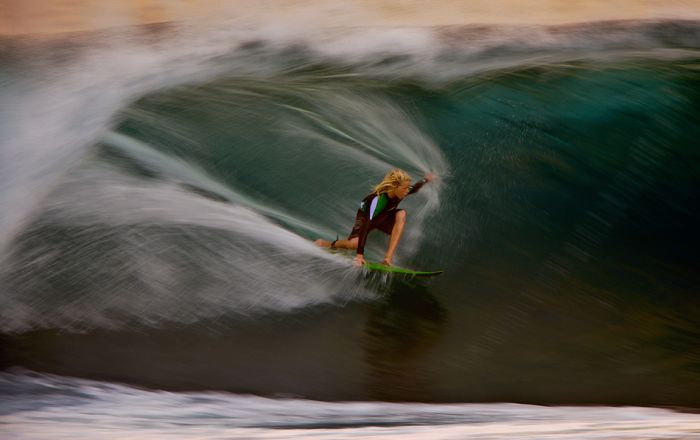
x: 377, y: 267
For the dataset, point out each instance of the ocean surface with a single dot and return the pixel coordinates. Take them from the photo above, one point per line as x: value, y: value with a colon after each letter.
x: 161, y: 187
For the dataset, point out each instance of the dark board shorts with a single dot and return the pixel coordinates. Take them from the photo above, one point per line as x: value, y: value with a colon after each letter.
x: 384, y: 222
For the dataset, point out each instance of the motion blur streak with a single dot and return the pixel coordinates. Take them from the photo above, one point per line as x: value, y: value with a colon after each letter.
x: 163, y: 176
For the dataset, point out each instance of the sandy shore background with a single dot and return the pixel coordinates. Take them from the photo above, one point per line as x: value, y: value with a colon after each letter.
x: 20, y: 17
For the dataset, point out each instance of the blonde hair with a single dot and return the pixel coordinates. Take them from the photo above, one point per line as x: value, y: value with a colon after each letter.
x: 392, y: 180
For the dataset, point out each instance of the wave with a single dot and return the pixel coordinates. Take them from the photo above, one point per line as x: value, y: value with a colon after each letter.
x: 167, y: 186
x: 82, y: 407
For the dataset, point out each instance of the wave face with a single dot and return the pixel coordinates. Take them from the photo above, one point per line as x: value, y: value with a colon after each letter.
x: 162, y: 207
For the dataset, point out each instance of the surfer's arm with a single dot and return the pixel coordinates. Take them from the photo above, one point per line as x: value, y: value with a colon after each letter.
x: 362, y: 237
x: 418, y: 185
x: 361, y: 240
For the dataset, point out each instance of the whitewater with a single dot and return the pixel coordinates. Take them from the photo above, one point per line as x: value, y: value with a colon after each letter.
x: 161, y: 186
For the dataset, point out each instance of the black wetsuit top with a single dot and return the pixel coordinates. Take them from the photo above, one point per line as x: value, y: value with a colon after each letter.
x: 377, y: 212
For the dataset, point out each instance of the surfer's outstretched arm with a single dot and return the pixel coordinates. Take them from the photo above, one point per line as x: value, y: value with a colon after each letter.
x: 418, y: 185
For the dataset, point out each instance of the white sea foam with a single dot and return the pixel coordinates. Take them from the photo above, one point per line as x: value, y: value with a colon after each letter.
x: 52, y: 407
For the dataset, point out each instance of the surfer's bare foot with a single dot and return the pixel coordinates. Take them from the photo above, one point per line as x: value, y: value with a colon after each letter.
x: 322, y: 243
x: 386, y: 261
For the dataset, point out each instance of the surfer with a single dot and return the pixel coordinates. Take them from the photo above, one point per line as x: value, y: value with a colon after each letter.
x: 379, y: 210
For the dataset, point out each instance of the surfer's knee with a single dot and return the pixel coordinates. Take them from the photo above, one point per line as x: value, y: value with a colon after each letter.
x: 401, y: 216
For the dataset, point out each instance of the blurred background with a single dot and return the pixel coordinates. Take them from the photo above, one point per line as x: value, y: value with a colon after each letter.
x: 55, y: 16
x: 166, y: 166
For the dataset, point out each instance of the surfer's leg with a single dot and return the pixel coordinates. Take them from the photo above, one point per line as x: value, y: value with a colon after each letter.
x: 353, y: 239
x: 350, y: 243
x: 347, y: 244
x: 396, y: 232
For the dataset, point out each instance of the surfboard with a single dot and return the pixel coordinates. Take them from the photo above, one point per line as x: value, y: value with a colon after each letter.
x: 378, y: 267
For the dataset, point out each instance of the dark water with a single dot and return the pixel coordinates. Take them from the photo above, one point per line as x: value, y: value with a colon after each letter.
x: 177, y: 254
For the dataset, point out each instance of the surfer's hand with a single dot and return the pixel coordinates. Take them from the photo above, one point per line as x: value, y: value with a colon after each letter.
x: 429, y: 177
x: 359, y: 260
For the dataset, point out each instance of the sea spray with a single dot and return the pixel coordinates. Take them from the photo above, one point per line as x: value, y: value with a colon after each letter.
x: 223, y: 145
